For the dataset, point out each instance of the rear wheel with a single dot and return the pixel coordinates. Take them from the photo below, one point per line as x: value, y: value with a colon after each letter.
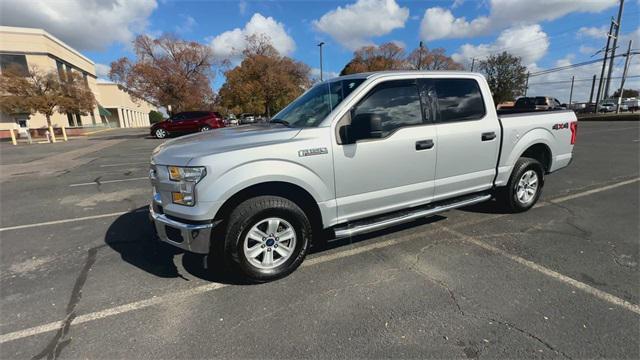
x: 524, y: 187
x: 205, y: 128
x: 267, y: 237
x: 161, y: 133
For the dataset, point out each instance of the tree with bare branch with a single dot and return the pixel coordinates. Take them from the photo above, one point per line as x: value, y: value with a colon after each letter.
x: 168, y: 71
x: 390, y: 56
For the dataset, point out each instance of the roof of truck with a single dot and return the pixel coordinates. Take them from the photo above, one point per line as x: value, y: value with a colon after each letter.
x: 367, y: 75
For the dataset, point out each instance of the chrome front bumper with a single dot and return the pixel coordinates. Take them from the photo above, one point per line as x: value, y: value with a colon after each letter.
x: 195, y: 238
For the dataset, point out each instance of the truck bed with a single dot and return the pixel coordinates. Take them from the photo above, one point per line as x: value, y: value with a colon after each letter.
x: 552, y: 129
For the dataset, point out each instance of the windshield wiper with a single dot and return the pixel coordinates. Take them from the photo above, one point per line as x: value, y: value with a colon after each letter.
x: 280, y: 121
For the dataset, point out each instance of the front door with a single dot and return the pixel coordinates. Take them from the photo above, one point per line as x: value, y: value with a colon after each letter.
x: 393, y: 171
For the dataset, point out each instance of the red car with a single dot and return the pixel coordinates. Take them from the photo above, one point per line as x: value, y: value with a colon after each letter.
x: 187, y: 122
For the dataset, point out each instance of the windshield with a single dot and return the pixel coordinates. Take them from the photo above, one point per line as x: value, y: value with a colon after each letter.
x: 313, y: 106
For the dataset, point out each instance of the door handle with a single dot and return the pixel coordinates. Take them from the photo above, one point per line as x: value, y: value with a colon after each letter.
x: 488, y: 136
x: 424, y: 144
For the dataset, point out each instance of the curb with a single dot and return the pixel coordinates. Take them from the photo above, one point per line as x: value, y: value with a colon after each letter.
x: 95, y: 132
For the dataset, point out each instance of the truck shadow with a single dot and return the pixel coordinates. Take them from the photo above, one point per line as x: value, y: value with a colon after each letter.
x: 134, y: 238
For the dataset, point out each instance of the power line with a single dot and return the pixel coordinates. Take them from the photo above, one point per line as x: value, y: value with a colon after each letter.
x: 576, y: 80
x: 571, y: 66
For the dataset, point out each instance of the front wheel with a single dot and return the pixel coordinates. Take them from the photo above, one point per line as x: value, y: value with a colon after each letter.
x: 205, y: 128
x: 267, y: 237
x: 524, y: 187
x: 161, y: 133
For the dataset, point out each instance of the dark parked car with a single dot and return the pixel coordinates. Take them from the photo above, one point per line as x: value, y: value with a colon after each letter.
x: 187, y: 122
x: 538, y: 103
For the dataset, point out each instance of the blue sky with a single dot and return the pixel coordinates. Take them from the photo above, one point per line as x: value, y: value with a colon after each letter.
x: 545, y: 33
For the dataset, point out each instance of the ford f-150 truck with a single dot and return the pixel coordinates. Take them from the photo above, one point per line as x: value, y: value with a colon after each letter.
x: 351, y: 155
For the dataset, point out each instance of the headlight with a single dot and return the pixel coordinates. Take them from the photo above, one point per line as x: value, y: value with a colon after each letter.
x: 187, y: 177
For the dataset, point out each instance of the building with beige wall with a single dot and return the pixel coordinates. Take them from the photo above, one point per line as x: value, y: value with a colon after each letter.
x: 126, y: 110
x: 35, y: 48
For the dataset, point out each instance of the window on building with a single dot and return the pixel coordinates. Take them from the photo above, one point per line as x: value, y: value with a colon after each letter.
x: 60, y: 67
x: 17, y: 64
x: 397, y: 102
x: 459, y: 99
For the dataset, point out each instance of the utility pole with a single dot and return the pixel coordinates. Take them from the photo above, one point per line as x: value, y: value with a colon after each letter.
x: 604, y: 65
x: 613, y: 49
x: 321, y: 71
x: 624, y: 75
x: 571, y: 92
x: 593, y: 85
x: 526, y: 85
x: 473, y: 62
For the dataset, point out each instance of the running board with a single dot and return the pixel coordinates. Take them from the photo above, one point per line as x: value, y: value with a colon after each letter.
x: 369, y: 225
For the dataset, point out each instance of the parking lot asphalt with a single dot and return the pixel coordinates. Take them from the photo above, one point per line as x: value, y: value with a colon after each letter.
x: 82, y: 277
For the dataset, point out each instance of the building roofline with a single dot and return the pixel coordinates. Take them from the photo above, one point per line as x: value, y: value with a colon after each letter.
x: 42, y: 32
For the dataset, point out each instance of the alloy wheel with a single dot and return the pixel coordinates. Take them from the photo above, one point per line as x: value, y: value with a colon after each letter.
x: 527, y: 187
x: 269, y: 243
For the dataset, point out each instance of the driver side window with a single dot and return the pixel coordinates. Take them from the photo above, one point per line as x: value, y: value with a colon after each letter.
x: 397, y: 102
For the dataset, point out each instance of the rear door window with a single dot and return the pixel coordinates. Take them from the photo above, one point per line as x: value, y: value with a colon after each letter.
x: 459, y: 100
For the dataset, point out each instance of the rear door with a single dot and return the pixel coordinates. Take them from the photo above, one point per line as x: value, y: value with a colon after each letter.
x: 395, y: 171
x: 468, y: 137
x: 191, y: 122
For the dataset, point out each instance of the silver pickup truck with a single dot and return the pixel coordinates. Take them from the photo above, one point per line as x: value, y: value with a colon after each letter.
x: 351, y: 155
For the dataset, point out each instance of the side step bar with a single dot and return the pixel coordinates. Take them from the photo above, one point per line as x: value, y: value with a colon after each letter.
x: 364, y: 226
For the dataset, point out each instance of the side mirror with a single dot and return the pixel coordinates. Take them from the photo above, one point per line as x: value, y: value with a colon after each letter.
x: 365, y: 126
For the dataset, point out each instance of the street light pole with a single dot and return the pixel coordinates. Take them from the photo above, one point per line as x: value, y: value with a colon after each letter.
x: 320, y: 46
x: 420, y: 55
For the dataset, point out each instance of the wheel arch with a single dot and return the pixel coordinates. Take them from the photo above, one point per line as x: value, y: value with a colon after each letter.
x: 541, y: 152
x: 287, y: 190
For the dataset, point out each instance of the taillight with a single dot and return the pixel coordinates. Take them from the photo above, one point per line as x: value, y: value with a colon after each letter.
x: 574, y: 131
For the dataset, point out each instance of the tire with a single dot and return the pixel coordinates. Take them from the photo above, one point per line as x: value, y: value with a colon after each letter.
x: 267, y: 254
x: 205, y: 128
x: 160, y: 133
x: 524, y: 187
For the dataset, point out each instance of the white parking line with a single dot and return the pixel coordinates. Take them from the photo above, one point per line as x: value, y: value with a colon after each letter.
x: 125, y: 164
x: 548, y: 272
x: 172, y: 297
x: 109, y: 181
x: 593, y: 191
x: 63, y: 221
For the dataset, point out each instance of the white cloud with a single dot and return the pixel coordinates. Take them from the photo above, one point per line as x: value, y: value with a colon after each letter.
x: 230, y: 44
x: 83, y: 24
x: 587, y: 50
x: 242, y: 7
x: 526, y: 41
x: 594, y: 32
x: 354, y: 25
x: 102, y: 70
x: 186, y: 26
x: 440, y: 23
x: 457, y: 3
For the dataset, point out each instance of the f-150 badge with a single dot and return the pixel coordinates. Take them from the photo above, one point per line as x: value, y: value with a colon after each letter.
x: 314, y: 151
